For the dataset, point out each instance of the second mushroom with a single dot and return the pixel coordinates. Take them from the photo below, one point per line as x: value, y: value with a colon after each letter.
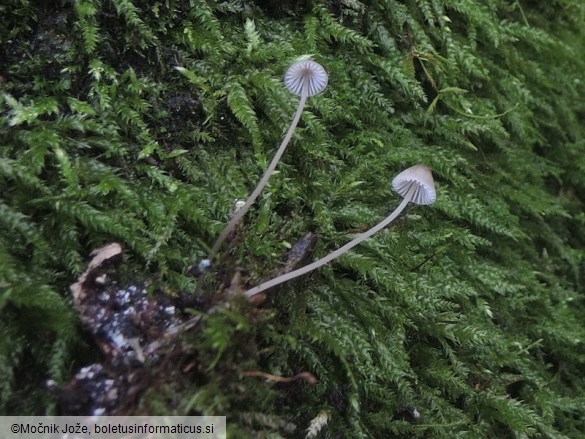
x: 415, y: 185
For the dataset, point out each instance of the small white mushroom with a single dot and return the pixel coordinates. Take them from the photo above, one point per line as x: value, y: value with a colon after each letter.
x: 304, y: 78
x: 414, y: 184
x: 419, y: 178
x: 306, y: 73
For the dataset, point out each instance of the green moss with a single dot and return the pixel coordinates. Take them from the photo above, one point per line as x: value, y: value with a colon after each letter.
x: 470, y: 310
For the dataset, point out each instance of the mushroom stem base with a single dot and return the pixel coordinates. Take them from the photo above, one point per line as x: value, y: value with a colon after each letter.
x: 242, y: 211
x: 324, y: 260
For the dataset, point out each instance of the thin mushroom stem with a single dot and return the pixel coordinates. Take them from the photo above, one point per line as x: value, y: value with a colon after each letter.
x: 233, y: 222
x: 326, y: 259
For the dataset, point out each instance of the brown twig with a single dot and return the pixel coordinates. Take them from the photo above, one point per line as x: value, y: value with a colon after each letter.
x: 307, y: 376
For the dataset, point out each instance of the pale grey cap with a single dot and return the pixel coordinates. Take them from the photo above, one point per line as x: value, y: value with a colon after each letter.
x: 424, y: 186
x: 309, y: 71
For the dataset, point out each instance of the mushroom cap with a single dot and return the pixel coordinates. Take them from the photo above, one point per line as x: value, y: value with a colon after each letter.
x: 306, y: 70
x: 421, y: 177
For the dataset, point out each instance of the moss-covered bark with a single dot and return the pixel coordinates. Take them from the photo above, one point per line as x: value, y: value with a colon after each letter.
x: 142, y: 122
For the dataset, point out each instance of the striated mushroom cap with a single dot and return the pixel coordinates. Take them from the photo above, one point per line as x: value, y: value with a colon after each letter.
x: 308, y: 71
x: 420, y: 176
